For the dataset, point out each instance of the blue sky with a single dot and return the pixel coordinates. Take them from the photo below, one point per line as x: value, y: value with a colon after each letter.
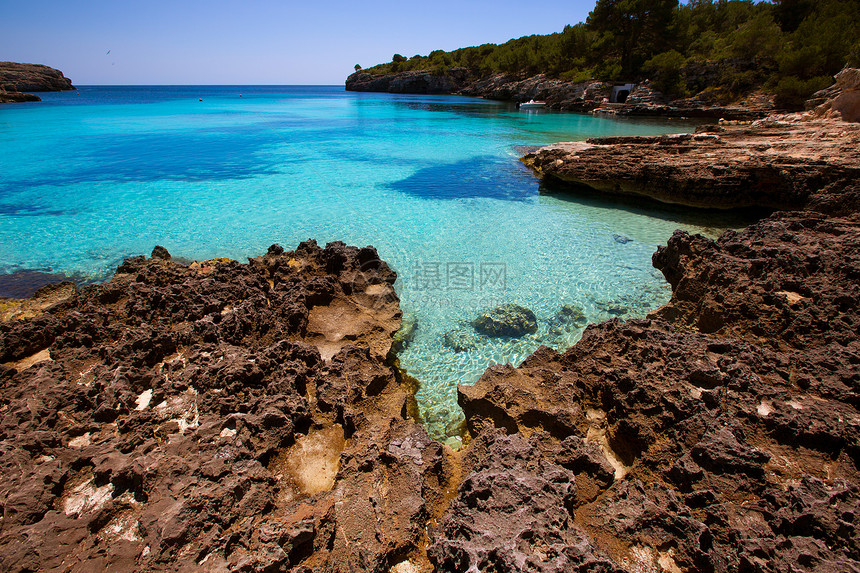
x: 256, y: 41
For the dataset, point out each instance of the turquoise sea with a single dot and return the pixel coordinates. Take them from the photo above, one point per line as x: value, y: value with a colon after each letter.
x: 433, y: 182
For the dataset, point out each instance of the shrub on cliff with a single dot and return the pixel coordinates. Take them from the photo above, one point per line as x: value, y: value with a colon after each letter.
x: 666, y: 72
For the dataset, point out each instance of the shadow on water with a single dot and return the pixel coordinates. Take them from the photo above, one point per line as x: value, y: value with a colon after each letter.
x: 487, y: 176
x: 196, y: 156
x: 23, y: 284
x: 716, y: 220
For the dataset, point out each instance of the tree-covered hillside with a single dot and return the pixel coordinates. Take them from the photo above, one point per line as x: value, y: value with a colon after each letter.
x: 725, y: 48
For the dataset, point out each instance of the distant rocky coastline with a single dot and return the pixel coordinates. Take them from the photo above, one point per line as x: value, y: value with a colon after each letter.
x: 18, y: 79
x: 590, y: 96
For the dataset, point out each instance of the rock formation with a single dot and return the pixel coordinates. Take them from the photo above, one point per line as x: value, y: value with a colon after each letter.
x: 15, y: 79
x: 217, y: 416
x: 507, y: 320
x: 721, y: 434
x: 790, y: 161
x: 780, y: 164
x: 408, y: 82
x: 841, y: 100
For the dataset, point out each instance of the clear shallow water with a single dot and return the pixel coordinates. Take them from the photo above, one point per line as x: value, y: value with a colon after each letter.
x: 433, y: 182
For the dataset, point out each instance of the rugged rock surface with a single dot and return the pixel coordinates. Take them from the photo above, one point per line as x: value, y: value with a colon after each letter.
x: 212, y: 417
x: 841, y: 100
x: 780, y: 164
x: 412, y: 82
x: 558, y: 94
x: 733, y: 435
x: 792, y: 161
x: 18, y: 78
x: 221, y: 416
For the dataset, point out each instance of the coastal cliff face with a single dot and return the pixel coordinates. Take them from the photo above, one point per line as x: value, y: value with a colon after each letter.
x: 15, y: 79
x: 409, y: 82
x: 558, y: 94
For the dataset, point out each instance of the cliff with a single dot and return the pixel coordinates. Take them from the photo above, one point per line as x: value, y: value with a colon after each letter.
x: 15, y: 79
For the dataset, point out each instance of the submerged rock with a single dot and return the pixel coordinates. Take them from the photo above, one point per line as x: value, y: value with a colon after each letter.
x: 460, y: 340
x: 571, y: 313
x: 406, y: 334
x: 507, y: 320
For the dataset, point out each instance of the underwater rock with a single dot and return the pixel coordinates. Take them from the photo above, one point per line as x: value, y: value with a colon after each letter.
x: 571, y: 314
x: 460, y: 340
x: 507, y: 320
x: 406, y: 334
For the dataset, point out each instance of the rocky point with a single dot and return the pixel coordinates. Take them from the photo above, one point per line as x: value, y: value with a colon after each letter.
x: 791, y: 161
x: 16, y: 79
x: 218, y: 416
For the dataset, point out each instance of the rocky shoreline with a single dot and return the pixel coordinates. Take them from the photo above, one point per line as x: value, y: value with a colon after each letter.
x: 589, y: 96
x: 793, y: 161
x: 226, y: 416
x: 775, y: 164
x: 220, y: 416
x: 16, y: 79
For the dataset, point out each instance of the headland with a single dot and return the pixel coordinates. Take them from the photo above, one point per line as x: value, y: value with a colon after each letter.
x: 16, y: 80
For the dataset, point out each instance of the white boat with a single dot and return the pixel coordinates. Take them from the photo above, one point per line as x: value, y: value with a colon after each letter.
x: 532, y: 104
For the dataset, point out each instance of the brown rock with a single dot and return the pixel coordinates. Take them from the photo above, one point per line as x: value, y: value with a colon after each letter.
x: 184, y: 417
x: 776, y: 164
x: 15, y: 77
x: 745, y: 410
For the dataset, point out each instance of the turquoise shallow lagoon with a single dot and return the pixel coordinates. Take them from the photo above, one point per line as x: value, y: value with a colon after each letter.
x: 433, y: 182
